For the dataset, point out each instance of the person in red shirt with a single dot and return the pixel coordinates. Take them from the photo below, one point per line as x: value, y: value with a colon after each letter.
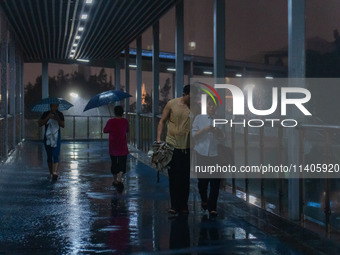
x: 117, y: 128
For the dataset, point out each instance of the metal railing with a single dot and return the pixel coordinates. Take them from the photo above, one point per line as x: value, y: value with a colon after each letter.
x: 13, y: 136
x: 79, y: 127
x: 320, y: 198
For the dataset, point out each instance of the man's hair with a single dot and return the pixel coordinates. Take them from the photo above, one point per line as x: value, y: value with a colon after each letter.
x: 186, y: 89
x: 118, y: 110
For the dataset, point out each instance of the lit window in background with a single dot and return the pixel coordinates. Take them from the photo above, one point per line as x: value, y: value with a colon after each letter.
x: 192, y: 45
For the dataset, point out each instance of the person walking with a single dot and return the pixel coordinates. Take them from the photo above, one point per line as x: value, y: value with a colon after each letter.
x: 117, y: 128
x: 52, y: 120
x: 207, y: 139
x: 177, y: 114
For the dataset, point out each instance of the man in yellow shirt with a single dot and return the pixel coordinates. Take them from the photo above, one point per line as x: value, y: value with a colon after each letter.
x: 177, y: 113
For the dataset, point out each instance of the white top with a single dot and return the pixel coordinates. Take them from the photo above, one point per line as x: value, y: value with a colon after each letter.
x: 205, y: 144
x: 52, y: 133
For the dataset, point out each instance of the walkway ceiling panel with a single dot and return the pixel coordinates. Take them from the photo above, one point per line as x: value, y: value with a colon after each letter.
x: 47, y: 29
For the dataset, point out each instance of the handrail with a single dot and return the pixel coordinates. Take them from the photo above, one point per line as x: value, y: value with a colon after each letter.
x: 91, y: 116
x: 318, y: 126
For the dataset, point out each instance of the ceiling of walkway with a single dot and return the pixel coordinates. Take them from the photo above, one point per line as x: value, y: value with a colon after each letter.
x: 47, y: 29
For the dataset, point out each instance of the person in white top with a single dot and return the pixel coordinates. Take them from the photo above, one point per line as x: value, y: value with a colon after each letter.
x: 52, y: 120
x: 207, y: 139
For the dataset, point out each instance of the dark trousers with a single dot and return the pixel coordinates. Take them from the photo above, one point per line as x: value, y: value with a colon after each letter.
x: 179, y: 179
x: 213, y: 194
x: 203, y: 184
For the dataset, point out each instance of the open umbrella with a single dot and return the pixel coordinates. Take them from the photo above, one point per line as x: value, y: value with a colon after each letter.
x: 44, y: 104
x: 106, y: 98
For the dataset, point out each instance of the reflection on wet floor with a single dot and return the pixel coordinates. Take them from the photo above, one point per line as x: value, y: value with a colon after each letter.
x: 82, y: 213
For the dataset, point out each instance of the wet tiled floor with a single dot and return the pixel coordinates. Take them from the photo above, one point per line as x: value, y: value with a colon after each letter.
x: 82, y: 213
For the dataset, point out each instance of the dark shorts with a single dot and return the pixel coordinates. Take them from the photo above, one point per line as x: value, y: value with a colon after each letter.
x: 53, y: 153
x: 118, y: 164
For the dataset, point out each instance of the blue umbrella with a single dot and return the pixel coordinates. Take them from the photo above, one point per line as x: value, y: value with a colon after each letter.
x: 106, y: 98
x: 44, y: 104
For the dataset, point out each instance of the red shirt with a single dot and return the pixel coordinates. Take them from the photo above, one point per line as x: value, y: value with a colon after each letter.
x: 117, y: 129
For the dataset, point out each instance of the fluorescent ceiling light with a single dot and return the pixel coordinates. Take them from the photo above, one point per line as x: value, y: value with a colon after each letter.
x: 269, y: 77
x: 73, y: 51
x: 238, y: 75
x: 83, y: 60
x: 75, y: 44
x: 171, y: 69
x: 134, y: 66
x: 77, y: 37
x: 89, y: 1
x: 81, y: 28
x: 84, y: 16
x: 208, y: 72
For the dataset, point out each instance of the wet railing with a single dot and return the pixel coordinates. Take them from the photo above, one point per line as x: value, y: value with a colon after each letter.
x: 145, y: 127
x: 256, y: 146
x: 2, y: 141
x: 14, y: 136
x: 79, y: 127
x: 320, y: 198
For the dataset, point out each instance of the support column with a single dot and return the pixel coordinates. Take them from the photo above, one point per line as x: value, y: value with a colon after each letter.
x: 22, y: 98
x: 296, y: 69
x: 173, y: 85
x: 4, y: 86
x: 219, y: 50
x: 117, y: 77
x: 191, y: 69
x: 44, y: 88
x: 155, y: 72
x: 219, y: 39
x: 179, y: 49
x: 18, y: 97
x: 13, y: 91
x: 127, y: 78
x: 139, y: 87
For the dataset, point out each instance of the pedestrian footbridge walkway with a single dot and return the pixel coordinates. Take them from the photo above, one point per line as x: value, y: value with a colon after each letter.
x: 82, y: 213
